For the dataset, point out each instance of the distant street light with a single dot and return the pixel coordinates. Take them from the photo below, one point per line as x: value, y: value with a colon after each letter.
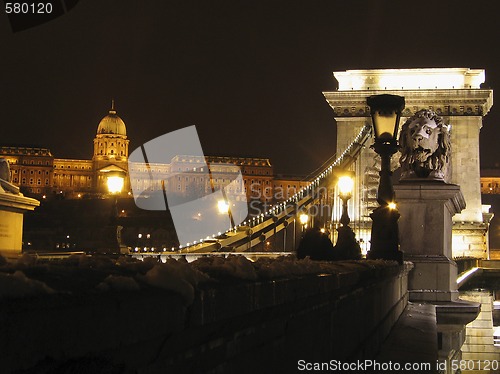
x: 223, y: 207
x: 115, y: 182
x: 386, y: 113
x: 304, y: 219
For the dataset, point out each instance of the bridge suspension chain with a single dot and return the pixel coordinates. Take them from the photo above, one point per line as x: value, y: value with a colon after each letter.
x: 259, y: 228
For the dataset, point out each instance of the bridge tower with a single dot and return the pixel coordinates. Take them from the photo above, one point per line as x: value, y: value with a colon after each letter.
x: 457, y: 95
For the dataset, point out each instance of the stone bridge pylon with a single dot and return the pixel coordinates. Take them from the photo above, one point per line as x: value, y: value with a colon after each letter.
x: 457, y: 95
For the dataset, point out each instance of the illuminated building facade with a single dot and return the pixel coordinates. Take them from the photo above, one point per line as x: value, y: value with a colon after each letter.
x: 490, y: 181
x: 40, y: 174
x: 31, y: 168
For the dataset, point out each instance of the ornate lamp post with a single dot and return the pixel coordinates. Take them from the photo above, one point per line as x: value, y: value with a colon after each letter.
x: 346, y: 185
x: 115, y: 182
x: 386, y: 113
x: 347, y: 248
x: 304, y: 219
x: 224, y: 208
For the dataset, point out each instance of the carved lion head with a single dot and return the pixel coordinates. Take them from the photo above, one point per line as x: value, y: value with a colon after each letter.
x: 425, y: 146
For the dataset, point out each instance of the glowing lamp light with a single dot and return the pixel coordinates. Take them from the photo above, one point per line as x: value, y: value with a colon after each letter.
x: 303, y: 218
x: 386, y: 113
x: 392, y: 205
x: 346, y: 185
x: 115, y: 184
x: 223, y: 207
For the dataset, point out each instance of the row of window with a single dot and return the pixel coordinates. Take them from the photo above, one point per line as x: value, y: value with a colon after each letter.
x: 232, y: 169
x: 31, y: 181
x: 112, y: 152
x: 112, y: 144
x: 29, y: 152
x: 257, y: 172
x: 30, y: 162
x: 73, y: 167
x: 31, y: 172
x: 56, y: 176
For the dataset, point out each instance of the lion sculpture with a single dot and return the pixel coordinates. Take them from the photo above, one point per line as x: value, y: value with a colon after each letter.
x: 425, y: 147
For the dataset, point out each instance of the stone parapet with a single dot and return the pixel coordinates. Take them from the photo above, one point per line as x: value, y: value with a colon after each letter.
x: 232, y: 326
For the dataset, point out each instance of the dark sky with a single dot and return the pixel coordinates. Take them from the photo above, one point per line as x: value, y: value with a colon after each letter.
x: 248, y: 74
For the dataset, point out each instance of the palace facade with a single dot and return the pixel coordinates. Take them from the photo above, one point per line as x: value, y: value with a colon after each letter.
x: 490, y: 181
x: 39, y: 174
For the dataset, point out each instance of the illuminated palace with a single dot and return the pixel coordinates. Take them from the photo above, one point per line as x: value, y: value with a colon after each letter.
x: 38, y: 173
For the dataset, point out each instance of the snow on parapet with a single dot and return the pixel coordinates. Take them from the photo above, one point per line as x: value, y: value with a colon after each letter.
x: 81, y: 273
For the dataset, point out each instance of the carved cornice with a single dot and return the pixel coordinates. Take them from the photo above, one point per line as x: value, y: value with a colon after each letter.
x: 445, y: 102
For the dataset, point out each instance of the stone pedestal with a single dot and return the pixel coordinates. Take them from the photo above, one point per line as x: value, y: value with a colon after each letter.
x: 425, y: 232
x: 12, y: 208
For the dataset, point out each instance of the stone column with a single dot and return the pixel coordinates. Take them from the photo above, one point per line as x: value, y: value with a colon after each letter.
x: 425, y: 231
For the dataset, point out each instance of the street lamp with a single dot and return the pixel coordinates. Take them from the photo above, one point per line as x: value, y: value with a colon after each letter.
x: 224, y: 208
x: 346, y: 185
x: 115, y: 182
x: 304, y: 218
x: 386, y: 113
x: 347, y: 248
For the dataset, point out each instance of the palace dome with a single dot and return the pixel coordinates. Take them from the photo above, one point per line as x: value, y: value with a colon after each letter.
x: 112, y: 124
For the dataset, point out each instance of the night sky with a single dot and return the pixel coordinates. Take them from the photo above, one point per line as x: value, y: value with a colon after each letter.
x: 248, y: 74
